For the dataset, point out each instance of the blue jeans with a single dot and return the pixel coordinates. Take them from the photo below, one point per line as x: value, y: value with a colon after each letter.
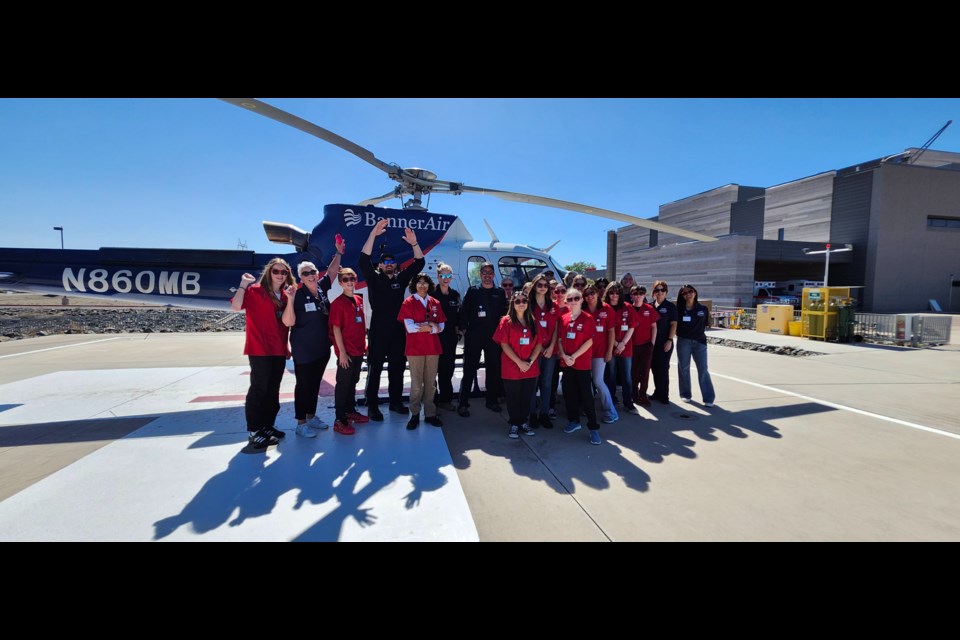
x: 544, y: 384
x: 620, y: 371
x: 685, y: 348
x: 597, y: 367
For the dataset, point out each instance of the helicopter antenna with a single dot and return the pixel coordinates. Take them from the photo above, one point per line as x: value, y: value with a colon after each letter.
x: 493, y: 234
x: 929, y: 142
x: 241, y: 244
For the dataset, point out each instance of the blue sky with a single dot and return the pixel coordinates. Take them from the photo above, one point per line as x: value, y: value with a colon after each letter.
x: 201, y: 173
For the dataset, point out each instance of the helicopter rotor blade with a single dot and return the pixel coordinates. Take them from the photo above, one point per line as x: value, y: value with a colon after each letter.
x: 582, y: 208
x: 264, y: 109
x: 375, y: 201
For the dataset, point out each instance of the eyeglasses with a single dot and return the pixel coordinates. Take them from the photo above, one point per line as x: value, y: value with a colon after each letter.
x: 446, y: 276
x: 348, y: 279
x: 279, y: 272
x: 613, y: 293
x: 386, y: 262
x: 576, y: 299
x: 486, y: 273
x: 560, y: 290
x: 309, y: 272
x: 423, y: 282
x: 659, y: 290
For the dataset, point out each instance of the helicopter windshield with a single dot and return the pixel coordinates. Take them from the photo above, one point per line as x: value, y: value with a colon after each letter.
x: 521, y: 269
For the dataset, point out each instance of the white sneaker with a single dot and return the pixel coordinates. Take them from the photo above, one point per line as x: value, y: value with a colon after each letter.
x: 708, y: 404
x: 306, y: 430
x: 687, y: 399
x: 317, y: 423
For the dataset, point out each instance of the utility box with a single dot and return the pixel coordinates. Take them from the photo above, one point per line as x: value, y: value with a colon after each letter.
x: 774, y: 318
x: 819, y: 311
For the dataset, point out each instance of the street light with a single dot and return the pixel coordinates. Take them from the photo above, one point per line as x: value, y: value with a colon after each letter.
x: 60, y: 229
x: 828, y: 251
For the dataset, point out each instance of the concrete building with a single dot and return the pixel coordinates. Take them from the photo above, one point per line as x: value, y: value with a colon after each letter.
x: 901, y: 214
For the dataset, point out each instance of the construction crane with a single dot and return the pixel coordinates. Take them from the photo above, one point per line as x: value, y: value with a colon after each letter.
x: 913, y: 159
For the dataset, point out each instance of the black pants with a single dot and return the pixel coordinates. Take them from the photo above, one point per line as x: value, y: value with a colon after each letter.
x: 660, y: 366
x: 448, y: 342
x: 309, y: 377
x: 345, y: 393
x: 473, y: 345
x: 519, y: 393
x: 386, y: 343
x: 263, y: 396
x: 578, y: 394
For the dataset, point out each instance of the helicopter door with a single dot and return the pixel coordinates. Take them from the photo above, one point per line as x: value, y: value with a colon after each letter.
x: 521, y: 269
x: 472, y: 271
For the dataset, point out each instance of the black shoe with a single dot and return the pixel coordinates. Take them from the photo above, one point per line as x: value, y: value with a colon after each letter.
x: 493, y: 406
x: 399, y: 408
x: 373, y: 412
x: 533, y: 421
x: 413, y: 423
x: 463, y: 412
x: 261, y: 439
x: 434, y: 420
x: 276, y: 433
x: 545, y: 421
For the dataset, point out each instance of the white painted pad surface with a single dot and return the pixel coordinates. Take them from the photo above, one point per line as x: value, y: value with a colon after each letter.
x: 184, y: 477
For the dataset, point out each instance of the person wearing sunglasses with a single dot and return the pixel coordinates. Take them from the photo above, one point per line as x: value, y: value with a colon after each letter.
x: 644, y: 337
x: 306, y: 314
x: 424, y: 320
x: 575, y: 344
x: 449, y: 299
x: 545, y: 316
x: 506, y: 283
x: 558, y: 291
x: 620, y: 370
x: 520, y: 348
x: 265, y: 348
x: 483, y: 306
x: 605, y: 320
x: 694, y: 318
x: 386, y: 287
x: 663, y: 347
x: 349, y: 335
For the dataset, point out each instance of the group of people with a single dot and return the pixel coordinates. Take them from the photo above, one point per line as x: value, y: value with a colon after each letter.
x: 603, y: 336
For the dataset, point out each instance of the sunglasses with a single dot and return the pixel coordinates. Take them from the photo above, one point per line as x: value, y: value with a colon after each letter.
x: 446, y: 276
x: 309, y: 272
x: 520, y: 301
x: 507, y: 286
x: 348, y: 279
x: 577, y: 299
x: 560, y: 290
x: 543, y: 285
x: 590, y: 293
x: 686, y: 293
x: 279, y: 272
x: 389, y: 262
x: 659, y: 290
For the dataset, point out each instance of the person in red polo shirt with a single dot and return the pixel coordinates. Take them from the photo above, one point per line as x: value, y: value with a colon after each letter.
x: 644, y: 337
x: 265, y: 347
x: 619, y: 370
x: 348, y: 332
x: 423, y: 318
x: 517, y: 336
x: 576, y: 329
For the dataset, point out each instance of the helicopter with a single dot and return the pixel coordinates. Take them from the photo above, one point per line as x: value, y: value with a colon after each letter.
x: 208, y: 278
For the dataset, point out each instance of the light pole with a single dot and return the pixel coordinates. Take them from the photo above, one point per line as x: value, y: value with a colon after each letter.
x: 60, y: 229
x: 828, y: 251
x: 950, y: 295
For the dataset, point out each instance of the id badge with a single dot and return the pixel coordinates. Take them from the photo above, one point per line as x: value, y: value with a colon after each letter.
x: 571, y: 335
x: 686, y: 318
x: 358, y: 319
x: 481, y: 314
x: 524, y: 341
x: 599, y: 328
x: 543, y: 323
x: 310, y: 306
x: 623, y: 327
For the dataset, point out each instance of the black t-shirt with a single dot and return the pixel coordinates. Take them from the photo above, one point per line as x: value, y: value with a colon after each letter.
x: 692, y: 323
x: 666, y: 313
x: 451, y: 305
x: 482, y: 310
x: 386, y: 293
x: 309, y: 339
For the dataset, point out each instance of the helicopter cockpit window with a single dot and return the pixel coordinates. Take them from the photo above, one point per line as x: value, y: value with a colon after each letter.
x: 473, y: 270
x: 521, y: 269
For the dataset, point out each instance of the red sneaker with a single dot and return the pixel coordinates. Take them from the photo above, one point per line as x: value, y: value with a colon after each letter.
x: 345, y: 429
x: 357, y: 418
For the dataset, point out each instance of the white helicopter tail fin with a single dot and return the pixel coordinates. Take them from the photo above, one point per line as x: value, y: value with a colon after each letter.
x: 493, y: 235
x: 458, y: 232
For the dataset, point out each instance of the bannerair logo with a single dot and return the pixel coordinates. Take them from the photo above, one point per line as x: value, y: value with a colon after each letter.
x: 350, y: 217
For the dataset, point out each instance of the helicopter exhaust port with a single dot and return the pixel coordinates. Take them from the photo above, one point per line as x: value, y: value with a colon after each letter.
x: 283, y: 233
